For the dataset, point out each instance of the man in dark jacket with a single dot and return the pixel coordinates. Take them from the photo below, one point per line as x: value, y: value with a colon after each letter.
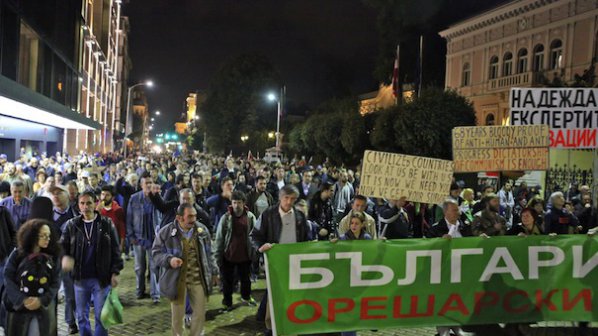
x: 321, y: 212
x: 451, y: 226
x: 394, y: 220
x: 558, y: 219
x: 280, y: 224
x: 259, y: 199
x: 168, y: 209
x: 306, y: 188
x: 91, y: 251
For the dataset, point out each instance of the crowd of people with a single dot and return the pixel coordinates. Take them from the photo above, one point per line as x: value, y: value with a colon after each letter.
x: 196, y: 223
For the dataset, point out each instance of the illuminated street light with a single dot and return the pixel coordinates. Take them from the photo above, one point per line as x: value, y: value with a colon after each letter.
x: 270, y: 135
x: 157, y: 113
x: 147, y: 83
x: 244, y: 138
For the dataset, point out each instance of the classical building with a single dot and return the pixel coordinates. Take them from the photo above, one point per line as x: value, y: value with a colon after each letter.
x: 58, y: 88
x: 523, y: 43
x: 122, y: 79
x: 140, y: 117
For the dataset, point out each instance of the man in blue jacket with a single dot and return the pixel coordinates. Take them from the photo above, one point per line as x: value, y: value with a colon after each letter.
x: 143, y: 222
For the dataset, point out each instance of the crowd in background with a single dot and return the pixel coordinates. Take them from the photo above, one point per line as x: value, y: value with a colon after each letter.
x: 195, y: 222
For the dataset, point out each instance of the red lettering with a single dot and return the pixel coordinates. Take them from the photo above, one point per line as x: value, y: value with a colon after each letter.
x: 413, y: 308
x: 349, y: 304
x: 460, y: 306
x: 483, y: 300
x: 507, y: 302
x: 291, y: 312
x: 365, y: 308
x: 585, y: 294
x: 573, y: 138
x: 541, y: 301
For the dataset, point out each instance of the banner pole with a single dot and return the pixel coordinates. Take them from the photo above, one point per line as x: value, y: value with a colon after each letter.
x: 270, y: 302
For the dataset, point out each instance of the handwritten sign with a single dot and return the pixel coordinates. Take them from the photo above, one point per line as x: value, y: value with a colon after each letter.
x: 501, y: 148
x: 418, y: 179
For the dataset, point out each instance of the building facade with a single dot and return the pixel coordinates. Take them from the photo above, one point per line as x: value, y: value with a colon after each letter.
x: 524, y: 43
x: 57, y: 75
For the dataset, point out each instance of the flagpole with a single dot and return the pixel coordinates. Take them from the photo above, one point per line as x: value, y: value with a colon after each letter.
x: 395, y: 76
x: 421, y: 68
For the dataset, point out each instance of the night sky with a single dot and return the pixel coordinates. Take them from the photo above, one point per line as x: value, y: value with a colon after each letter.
x: 320, y: 48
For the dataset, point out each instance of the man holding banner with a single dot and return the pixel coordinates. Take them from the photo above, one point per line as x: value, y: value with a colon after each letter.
x: 280, y: 224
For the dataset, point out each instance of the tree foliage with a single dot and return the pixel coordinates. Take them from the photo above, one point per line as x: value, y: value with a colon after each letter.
x: 422, y: 127
x: 235, y: 103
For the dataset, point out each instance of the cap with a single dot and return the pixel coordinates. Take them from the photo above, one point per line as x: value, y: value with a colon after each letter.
x: 3, y: 156
x: 85, y: 173
x: 58, y: 187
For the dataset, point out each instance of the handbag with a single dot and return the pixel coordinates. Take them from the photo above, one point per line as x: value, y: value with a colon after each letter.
x: 112, y: 311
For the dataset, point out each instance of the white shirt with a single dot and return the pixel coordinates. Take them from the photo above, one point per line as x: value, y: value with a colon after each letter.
x: 453, y: 229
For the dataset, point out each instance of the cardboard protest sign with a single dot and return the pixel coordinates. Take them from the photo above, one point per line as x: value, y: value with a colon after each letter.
x: 571, y: 114
x: 392, y: 176
x: 500, y: 148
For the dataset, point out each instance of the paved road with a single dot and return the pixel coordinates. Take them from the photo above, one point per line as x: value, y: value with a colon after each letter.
x: 144, y: 318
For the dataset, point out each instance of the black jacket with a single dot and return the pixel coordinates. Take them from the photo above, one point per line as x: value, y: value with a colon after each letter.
x: 253, y: 196
x: 441, y: 228
x: 168, y: 210
x: 7, y: 234
x: 108, y: 260
x: 268, y: 227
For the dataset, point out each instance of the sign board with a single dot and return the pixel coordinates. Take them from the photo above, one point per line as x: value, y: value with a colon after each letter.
x: 392, y: 176
x: 500, y: 148
x: 372, y: 284
x: 571, y: 114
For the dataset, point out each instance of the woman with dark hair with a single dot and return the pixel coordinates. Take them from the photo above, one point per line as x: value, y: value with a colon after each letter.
x: 32, y: 278
x: 528, y: 225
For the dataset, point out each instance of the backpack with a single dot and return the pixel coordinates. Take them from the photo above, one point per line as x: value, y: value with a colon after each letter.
x: 34, y: 274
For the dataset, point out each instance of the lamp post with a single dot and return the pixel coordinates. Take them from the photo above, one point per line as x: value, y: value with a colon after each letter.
x: 280, y: 101
x: 148, y: 83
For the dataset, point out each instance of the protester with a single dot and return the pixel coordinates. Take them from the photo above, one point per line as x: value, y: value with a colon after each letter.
x: 322, y: 213
x: 234, y: 252
x: 91, y: 253
x: 259, y: 199
x: 394, y: 221
x: 182, y: 250
x: 108, y: 207
x: 489, y: 222
x: 143, y: 221
x: 32, y: 278
x: 17, y: 205
x: 280, y: 224
x: 558, y: 219
x: 360, y: 204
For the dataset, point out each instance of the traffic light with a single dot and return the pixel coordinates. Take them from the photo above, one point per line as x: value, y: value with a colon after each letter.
x: 167, y: 136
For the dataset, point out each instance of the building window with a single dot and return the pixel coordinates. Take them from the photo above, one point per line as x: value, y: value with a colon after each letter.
x: 507, y: 64
x: 522, y: 61
x: 490, y: 119
x: 493, y: 73
x: 29, y: 57
x: 538, y: 58
x: 466, y: 76
x: 556, y: 54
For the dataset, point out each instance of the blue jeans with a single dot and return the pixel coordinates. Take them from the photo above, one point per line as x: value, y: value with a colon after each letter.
x: 69, y: 298
x: 141, y: 264
x: 84, y: 290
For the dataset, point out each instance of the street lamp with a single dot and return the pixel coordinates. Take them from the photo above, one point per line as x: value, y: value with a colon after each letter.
x: 149, y: 84
x: 279, y: 100
x: 157, y: 113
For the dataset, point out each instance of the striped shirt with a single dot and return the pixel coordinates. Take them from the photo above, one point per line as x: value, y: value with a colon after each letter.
x: 18, y: 212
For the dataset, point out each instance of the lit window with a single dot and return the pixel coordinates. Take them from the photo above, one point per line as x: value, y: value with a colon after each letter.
x: 556, y: 54
x: 493, y: 73
x: 466, y: 76
x: 507, y: 65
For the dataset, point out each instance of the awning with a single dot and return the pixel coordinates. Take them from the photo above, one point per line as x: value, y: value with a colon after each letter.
x: 20, y: 102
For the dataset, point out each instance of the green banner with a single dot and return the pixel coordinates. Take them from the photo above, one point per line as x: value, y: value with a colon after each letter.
x: 354, y: 285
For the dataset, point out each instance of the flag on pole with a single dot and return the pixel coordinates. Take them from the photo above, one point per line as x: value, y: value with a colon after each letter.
x: 249, y: 156
x: 396, y: 90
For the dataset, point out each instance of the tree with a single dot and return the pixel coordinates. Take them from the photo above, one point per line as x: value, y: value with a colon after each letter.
x: 382, y: 135
x: 235, y: 103
x: 424, y: 127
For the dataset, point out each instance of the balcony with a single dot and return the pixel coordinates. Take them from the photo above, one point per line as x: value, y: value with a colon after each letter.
x: 507, y: 82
